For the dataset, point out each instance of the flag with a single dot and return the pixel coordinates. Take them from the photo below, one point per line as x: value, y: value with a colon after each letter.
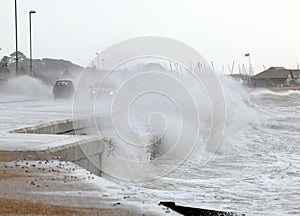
x: 247, y: 54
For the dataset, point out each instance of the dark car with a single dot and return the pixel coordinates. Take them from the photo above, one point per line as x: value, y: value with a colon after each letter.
x: 63, y: 89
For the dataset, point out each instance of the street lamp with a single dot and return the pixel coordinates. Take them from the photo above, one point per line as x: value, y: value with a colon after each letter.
x: 16, y: 29
x: 103, y: 64
x: 98, y: 61
x: 30, y: 42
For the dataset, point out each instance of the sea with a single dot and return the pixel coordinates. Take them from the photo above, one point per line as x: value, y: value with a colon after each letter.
x: 256, y: 169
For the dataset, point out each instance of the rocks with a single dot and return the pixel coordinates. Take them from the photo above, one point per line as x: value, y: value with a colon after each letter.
x: 116, y: 204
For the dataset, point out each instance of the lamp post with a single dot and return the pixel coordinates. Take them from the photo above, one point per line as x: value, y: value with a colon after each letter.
x: 16, y: 30
x: 30, y: 42
x: 103, y: 64
x: 98, y: 61
x: 250, y: 67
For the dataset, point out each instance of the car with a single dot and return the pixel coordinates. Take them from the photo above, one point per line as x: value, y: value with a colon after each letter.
x: 63, y: 89
x: 107, y: 89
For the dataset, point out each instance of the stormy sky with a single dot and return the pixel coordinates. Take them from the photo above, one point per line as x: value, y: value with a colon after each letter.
x: 220, y: 30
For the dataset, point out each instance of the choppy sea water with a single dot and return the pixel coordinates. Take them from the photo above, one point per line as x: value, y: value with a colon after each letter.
x: 260, y: 175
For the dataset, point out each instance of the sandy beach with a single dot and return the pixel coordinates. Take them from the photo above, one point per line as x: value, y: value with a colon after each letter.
x: 62, y: 188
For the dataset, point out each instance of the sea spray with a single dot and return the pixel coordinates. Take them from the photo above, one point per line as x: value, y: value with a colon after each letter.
x: 154, y: 113
x: 27, y: 86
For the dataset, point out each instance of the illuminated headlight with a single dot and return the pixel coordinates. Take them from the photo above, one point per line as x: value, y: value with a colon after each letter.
x: 94, y: 92
x: 111, y: 93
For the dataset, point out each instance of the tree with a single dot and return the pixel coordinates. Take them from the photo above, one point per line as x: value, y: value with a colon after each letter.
x: 4, y: 61
x: 21, y: 56
x: 4, y: 64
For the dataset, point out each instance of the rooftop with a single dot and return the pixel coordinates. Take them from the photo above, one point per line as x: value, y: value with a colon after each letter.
x: 277, y: 73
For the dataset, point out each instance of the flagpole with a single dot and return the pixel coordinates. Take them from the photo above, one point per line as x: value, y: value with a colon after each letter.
x: 249, y: 65
x: 250, y: 71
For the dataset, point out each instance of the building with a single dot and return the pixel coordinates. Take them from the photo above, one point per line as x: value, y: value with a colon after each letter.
x: 276, y: 77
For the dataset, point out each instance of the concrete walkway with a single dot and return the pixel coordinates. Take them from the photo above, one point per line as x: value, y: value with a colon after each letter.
x: 20, y: 112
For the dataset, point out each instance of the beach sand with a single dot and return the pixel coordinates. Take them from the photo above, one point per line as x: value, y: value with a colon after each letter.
x: 63, y: 188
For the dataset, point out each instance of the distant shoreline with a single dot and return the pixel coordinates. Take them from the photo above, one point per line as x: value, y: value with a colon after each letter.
x: 277, y: 89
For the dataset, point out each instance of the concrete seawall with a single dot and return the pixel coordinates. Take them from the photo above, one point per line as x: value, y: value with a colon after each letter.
x: 56, y: 142
x: 68, y: 126
x: 85, y: 152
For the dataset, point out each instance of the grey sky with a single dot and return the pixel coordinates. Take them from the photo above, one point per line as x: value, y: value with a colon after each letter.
x: 221, y: 30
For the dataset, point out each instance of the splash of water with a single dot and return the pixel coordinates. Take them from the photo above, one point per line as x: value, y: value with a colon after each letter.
x: 26, y: 86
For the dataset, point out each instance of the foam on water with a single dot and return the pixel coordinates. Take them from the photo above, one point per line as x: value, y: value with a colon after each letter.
x: 256, y: 170
x: 277, y: 93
